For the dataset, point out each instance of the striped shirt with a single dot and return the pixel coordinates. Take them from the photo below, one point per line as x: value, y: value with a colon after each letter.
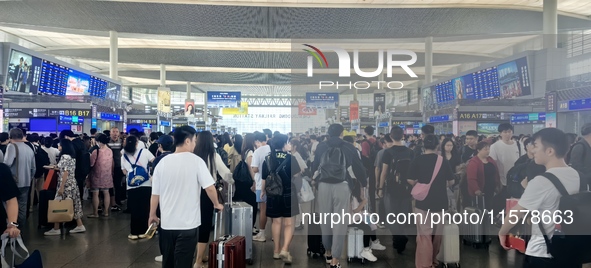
x: 116, y: 147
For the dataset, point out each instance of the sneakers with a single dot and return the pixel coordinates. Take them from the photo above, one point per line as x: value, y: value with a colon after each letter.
x: 286, y: 257
x: 132, y: 237
x: 368, y: 255
x: 52, y: 232
x: 276, y: 256
x: 255, y: 231
x: 328, y: 259
x: 158, y: 258
x: 260, y: 237
x: 338, y: 265
x: 375, y: 245
x: 115, y: 208
x: 78, y: 229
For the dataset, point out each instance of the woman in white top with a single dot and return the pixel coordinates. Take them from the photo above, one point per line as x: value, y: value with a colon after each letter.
x: 206, y: 150
x: 140, y: 191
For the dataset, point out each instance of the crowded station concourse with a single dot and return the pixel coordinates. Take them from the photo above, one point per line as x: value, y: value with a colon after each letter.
x: 145, y: 133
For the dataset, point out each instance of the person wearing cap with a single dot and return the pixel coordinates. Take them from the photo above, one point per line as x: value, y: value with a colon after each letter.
x: 101, y: 179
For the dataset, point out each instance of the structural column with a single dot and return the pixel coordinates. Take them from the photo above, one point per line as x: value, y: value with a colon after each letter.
x: 188, y: 90
x: 162, y: 75
x: 113, y: 55
x: 428, y: 60
x: 550, y: 23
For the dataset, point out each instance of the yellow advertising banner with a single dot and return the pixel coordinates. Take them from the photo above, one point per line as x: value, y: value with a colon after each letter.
x: 243, y: 109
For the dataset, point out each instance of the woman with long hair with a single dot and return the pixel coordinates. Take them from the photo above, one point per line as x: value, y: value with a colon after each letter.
x: 244, y: 188
x: 138, y: 196
x: 450, y: 151
x: 101, y: 178
x: 235, y: 153
x: 67, y: 186
x: 282, y: 208
x: 205, y: 149
x: 226, y: 141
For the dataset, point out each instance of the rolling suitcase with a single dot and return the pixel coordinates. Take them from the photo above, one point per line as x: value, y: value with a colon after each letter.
x: 239, y: 223
x: 354, y: 244
x: 474, y: 234
x: 315, y: 247
x: 44, y: 197
x: 227, y: 251
x: 449, y: 253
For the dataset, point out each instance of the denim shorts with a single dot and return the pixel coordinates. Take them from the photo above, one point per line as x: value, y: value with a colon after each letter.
x: 264, y: 200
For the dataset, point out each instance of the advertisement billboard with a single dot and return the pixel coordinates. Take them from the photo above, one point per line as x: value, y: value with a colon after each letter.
x: 322, y: 100
x: 217, y: 99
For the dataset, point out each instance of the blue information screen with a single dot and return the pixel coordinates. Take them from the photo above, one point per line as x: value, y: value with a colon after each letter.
x: 53, y: 79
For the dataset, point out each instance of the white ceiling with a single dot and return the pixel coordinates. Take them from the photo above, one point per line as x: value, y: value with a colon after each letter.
x: 577, y: 8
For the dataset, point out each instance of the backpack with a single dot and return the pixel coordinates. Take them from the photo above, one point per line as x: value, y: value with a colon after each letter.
x: 139, y: 174
x: 568, y: 156
x: 374, y: 148
x: 41, y: 159
x: 514, y: 177
x: 395, y: 183
x: 242, y: 173
x: 570, y: 242
x: 274, y: 182
x: 333, y: 166
x: 223, y: 154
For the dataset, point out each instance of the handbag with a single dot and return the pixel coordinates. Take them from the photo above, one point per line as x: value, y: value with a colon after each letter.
x: 306, y: 194
x: 51, y: 180
x: 60, y: 211
x: 421, y: 190
x: 6, y: 241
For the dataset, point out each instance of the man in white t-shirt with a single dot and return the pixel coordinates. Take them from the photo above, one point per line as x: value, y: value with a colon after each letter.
x: 176, y: 187
x: 505, y: 151
x: 550, y: 148
x: 258, y: 159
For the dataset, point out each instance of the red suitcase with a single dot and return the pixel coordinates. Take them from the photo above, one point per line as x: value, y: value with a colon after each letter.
x: 227, y: 251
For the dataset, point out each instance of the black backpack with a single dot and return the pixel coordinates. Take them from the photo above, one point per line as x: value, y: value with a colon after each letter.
x: 41, y: 159
x: 374, y: 148
x: 514, y: 177
x: 224, y: 155
x: 274, y: 182
x: 396, y: 183
x: 242, y: 173
x: 573, y: 241
x: 333, y: 166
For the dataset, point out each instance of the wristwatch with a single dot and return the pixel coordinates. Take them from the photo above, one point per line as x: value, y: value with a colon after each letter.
x: 13, y: 224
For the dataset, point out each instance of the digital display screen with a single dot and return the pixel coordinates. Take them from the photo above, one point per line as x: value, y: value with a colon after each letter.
x: 98, y: 87
x: 53, y: 79
x: 444, y: 92
x: 487, y: 128
x: 113, y: 92
x: 486, y: 84
x: 23, y: 72
x: 43, y: 124
x: 582, y: 104
x: 107, y: 116
x: 71, y: 120
x: 78, y: 83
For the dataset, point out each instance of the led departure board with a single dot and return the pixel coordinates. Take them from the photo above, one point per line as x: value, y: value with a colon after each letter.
x: 53, y: 79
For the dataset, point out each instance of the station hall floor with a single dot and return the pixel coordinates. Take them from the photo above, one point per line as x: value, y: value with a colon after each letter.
x: 105, y: 244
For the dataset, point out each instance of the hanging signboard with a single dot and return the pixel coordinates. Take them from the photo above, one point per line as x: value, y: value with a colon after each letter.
x: 217, y: 99
x: 322, y: 100
x: 242, y: 110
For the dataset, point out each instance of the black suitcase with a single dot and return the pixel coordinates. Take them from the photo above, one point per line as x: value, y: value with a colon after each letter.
x: 474, y: 234
x: 44, y: 197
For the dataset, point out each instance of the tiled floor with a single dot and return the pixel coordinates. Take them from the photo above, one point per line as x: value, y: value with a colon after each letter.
x: 105, y: 244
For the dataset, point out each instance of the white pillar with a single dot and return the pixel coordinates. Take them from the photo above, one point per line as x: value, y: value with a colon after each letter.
x: 428, y: 60
x: 162, y: 75
x: 550, y: 23
x: 113, y: 55
x: 188, y: 90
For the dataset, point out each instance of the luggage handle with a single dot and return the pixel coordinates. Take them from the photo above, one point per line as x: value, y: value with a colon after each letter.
x: 217, y: 222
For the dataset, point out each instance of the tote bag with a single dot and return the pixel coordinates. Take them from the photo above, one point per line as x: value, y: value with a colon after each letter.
x: 60, y: 211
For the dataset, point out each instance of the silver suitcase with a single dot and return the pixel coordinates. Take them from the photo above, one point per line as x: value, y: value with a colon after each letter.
x: 240, y: 224
x: 354, y: 244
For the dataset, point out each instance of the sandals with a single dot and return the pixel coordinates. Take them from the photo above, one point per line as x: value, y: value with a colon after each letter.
x: 133, y: 237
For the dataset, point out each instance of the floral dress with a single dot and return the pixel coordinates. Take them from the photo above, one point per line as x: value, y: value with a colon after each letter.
x: 71, y: 191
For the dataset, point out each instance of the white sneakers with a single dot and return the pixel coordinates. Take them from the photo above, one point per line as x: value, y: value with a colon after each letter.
x: 260, y: 237
x: 77, y: 230
x: 375, y: 245
x: 158, y: 259
x: 52, y: 232
x: 368, y: 255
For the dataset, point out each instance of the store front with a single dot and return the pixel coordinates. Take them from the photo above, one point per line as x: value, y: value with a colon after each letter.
x: 47, y: 121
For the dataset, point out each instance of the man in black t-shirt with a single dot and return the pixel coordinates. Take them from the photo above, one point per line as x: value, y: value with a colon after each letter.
x: 392, y: 185
x: 8, y: 194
